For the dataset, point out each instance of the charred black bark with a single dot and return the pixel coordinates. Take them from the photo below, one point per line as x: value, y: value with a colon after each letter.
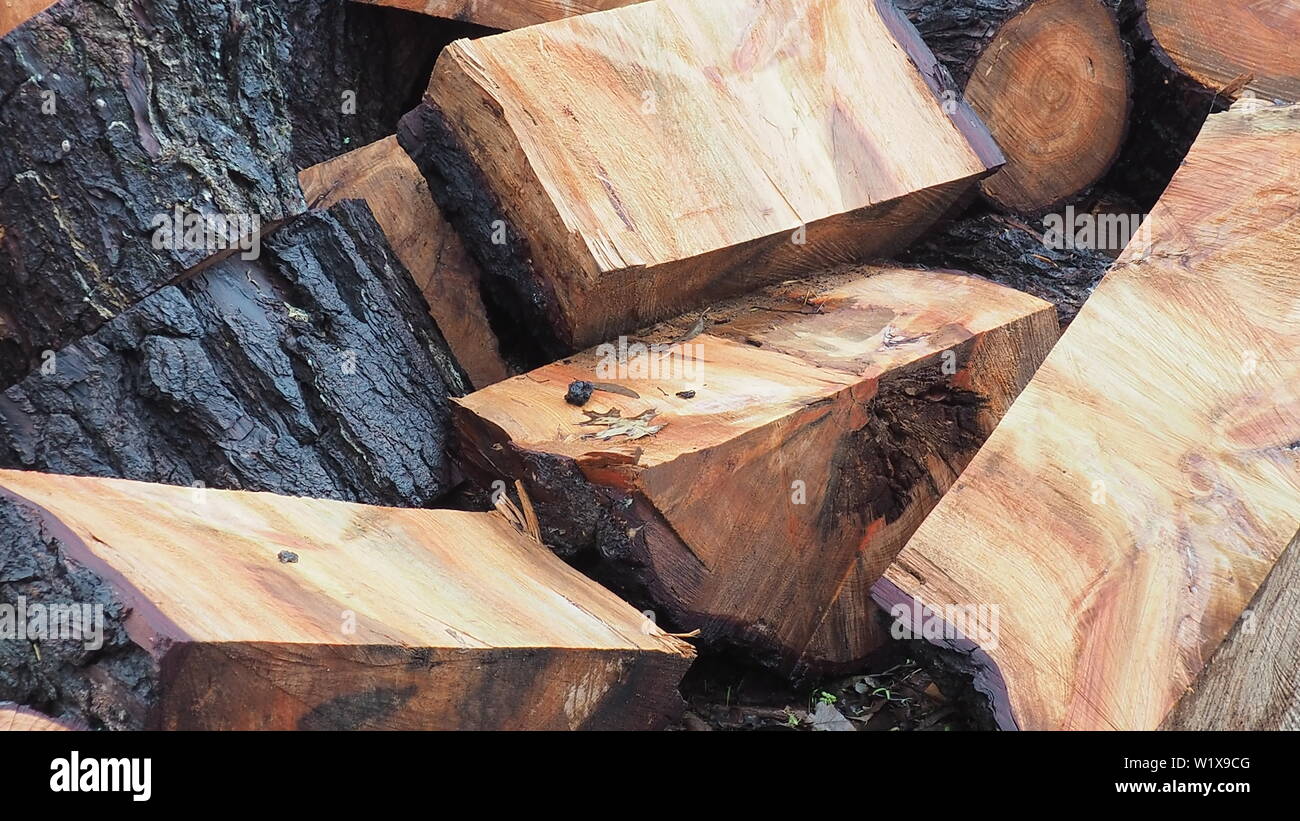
x: 354, y: 70
x: 958, y: 31
x: 314, y: 370
x: 1011, y: 252
x: 114, y: 113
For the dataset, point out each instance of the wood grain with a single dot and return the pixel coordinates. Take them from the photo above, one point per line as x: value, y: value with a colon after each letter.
x: 652, y: 158
x: 13, y: 13
x: 503, y: 14
x: 385, y: 618
x: 1142, y: 487
x: 383, y: 176
x: 14, y: 718
x: 1227, y: 47
x: 806, y: 433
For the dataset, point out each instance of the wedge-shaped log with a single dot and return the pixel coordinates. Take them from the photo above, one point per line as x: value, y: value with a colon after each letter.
x: 383, y: 176
x: 615, y: 170
x: 803, y: 438
x: 235, y: 610
x: 1105, y: 540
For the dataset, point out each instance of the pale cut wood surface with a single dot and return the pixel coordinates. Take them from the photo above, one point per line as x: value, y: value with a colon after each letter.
x: 384, y: 176
x: 503, y: 14
x: 20, y: 719
x: 1228, y: 46
x: 1253, y: 681
x: 425, y: 618
x: 13, y: 13
x: 836, y: 386
x: 659, y: 155
x: 1144, y: 484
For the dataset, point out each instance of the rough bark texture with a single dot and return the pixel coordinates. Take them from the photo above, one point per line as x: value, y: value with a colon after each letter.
x: 958, y: 31
x: 314, y: 370
x: 1011, y: 252
x: 113, y: 684
x: 383, y: 56
x: 113, y: 113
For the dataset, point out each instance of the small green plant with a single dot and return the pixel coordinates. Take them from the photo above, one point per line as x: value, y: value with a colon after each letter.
x: 827, y: 698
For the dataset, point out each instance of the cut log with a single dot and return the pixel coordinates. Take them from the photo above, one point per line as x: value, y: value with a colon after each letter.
x: 353, y: 70
x: 117, y: 115
x: 1228, y: 47
x: 225, y: 610
x: 614, y: 170
x: 1050, y: 79
x: 503, y: 14
x: 1012, y: 252
x: 789, y: 451
x: 383, y: 176
x: 1141, y: 488
x: 14, y: 718
x: 314, y: 370
x: 1253, y: 681
x: 13, y: 13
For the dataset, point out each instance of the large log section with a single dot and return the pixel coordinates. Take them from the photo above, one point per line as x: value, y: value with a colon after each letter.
x: 503, y: 14
x: 617, y: 169
x: 233, y: 610
x: 1140, y: 490
x: 805, y: 435
x: 382, y: 175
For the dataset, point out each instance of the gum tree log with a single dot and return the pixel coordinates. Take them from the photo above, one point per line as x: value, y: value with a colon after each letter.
x: 1011, y: 252
x: 383, y: 176
x: 13, y: 13
x: 805, y: 435
x: 614, y: 170
x: 1142, y: 487
x: 353, y: 70
x: 314, y: 370
x: 22, y: 720
x: 1050, y: 79
x: 225, y: 610
x: 503, y: 14
x: 114, y: 114
x: 1253, y: 682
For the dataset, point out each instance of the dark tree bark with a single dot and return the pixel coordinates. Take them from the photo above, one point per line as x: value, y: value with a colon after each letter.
x: 114, y: 113
x: 314, y: 371
x: 354, y: 70
x: 1011, y: 252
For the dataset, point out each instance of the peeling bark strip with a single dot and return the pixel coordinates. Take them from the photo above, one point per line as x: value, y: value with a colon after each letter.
x: 805, y: 433
x: 738, y: 159
x: 391, y: 185
x: 353, y: 70
x: 391, y: 619
x: 1050, y: 79
x: 113, y: 112
x: 314, y: 370
x: 1143, y: 486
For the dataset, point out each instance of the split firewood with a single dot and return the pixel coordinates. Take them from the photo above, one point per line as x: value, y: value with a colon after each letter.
x: 775, y: 462
x: 503, y: 14
x: 13, y: 13
x: 314, y: 370
x: 1115, y: 526
x: 617, y: 169
x: 226, y: 610
x: 432, y: 252
x: 106, y: 144
x: 1050, y: 79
